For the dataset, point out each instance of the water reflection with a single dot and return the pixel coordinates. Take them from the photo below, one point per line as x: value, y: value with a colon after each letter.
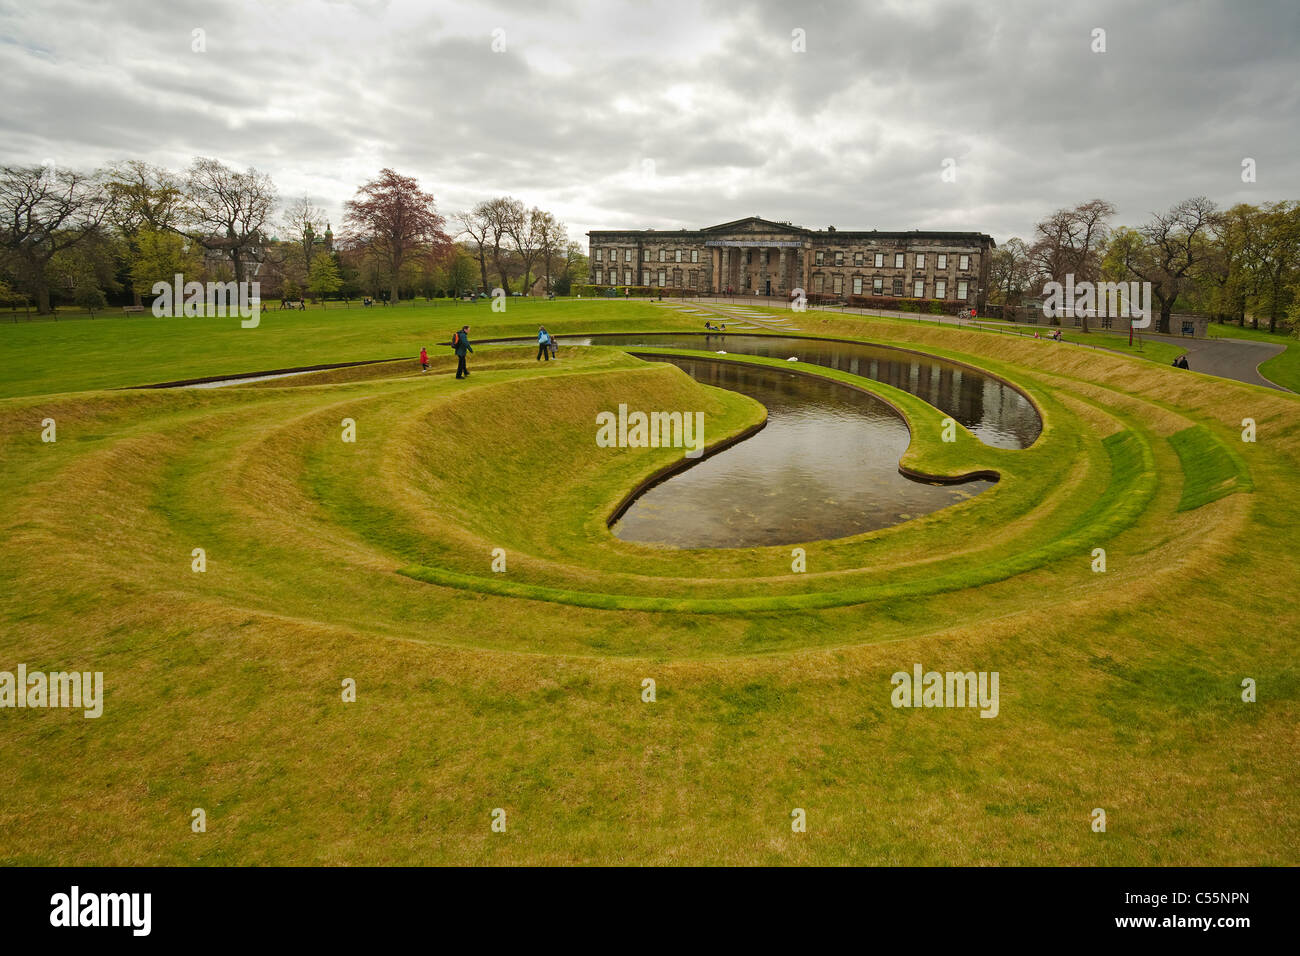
x: 826, y: 466
x: 995, y: 412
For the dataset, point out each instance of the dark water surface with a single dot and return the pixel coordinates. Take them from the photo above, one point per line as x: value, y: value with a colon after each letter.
x: 995, y: 412
x: 826, y: 466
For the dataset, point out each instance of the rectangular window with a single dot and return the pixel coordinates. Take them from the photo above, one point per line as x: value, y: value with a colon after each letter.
x: 918, y: 289
x: 598, y: 277
x: 961, y: 291
x: 857, y: 285
x: 943, y: 261
x: 627, y: 276
x: 645, y: 255
x: 661, y: 278
x: 599, y: 252
x: 878, y: 286
x: 898, y: 260
x: 920, y: 260
x: 964, y: 263
x: 678, y: 254
x: 839, y: 284
x: 820, y: 259
x: 898, y: 287
x: 627, y: 257
x: 857, y: 258
x: 940, y: 288
x: 663, y: 255
x: 645, y: 276
x: 819, y: 282
x: 880, y: 260
x: 695, y: 255
x: 839, y: 258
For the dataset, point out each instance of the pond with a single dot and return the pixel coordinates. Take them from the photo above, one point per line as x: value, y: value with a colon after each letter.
x: 997, y: 413
x: 825, y: 466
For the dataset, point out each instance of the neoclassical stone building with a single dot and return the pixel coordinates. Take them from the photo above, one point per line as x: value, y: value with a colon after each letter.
x: 759, y: 257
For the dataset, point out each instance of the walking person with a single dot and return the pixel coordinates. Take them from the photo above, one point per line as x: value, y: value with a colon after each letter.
x: 555, y: 346
x: 543, y: 344
x: 424, y: 359
x: 463, y: 348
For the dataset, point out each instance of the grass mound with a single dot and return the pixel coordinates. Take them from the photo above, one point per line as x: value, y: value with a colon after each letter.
x: 1120, y: 688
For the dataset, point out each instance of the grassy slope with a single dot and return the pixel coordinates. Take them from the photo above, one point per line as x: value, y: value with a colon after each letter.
x: 1118, y: 690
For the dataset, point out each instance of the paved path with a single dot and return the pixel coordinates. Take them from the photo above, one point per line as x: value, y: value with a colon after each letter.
x: 1228, y: 358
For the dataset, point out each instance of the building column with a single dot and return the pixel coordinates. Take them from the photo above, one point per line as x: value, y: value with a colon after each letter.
x: 781, y: 274
x: 717, y: 266
x: 804, y: 257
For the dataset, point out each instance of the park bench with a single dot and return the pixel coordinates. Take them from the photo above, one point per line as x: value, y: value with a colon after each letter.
x: 132, y: 308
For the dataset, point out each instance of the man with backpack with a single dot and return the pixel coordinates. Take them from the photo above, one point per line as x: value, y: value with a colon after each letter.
x: 460, y: 342
x: 543, y: 344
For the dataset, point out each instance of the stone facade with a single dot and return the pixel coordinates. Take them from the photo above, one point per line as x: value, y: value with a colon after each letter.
x: 758, y: 257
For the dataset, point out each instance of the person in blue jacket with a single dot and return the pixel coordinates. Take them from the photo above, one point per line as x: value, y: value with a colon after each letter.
x: 543, y: 344
x: 463, y: 348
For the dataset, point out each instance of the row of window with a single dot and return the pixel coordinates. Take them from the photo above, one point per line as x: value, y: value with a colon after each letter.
x: 859, y: 258
x: 645, y: 255
x: 941, y: 260
x: 896, y: 287
x: 648, y: 278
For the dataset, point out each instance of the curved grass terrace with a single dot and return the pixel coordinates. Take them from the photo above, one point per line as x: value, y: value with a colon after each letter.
x: 373, y: 560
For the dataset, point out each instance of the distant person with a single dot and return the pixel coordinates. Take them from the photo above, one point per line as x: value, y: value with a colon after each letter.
x: 1181, y: 362
x: 424, y: 359
x: 555, y: 346
x: 460, y: 342
x: 543, y: 344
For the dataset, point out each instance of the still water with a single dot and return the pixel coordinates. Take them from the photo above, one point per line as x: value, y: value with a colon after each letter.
x: 826, y: 466
x: 995, y: 412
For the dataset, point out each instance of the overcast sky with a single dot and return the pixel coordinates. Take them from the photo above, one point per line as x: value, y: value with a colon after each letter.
x: 670, y: 114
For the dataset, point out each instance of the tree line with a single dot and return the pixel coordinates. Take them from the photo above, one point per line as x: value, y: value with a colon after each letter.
x: 1233, y: 265
x: 68, y: 236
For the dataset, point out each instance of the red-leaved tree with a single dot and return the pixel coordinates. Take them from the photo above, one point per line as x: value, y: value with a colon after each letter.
x: 396, y: 220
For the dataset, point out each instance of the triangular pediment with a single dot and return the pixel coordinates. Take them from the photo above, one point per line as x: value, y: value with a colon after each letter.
x: 756, y: 225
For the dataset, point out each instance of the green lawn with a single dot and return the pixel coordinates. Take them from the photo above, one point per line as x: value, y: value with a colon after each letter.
x: 481, y: 688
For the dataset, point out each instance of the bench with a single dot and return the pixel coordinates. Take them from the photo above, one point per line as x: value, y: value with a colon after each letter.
x: 132, y: 308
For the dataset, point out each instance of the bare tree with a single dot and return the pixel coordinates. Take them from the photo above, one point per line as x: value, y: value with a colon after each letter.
x: 43, y: 212
x: 1010, y: 272
x: 303, y: 223
x: 227, y: 210
x: 524, y: 230
x: 552, y: 237
x: 1167, y: 251
x: 1071, y: 242
x: 475, y: 224
x: 499, y: 214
